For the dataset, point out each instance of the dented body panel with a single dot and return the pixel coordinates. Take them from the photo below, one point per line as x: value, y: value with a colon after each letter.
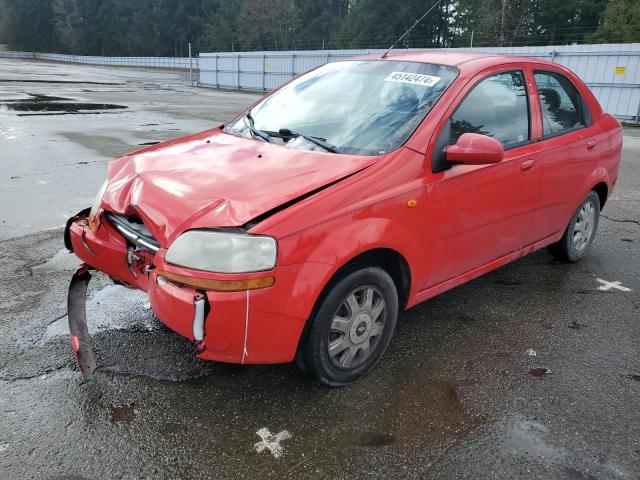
x: 216, y: 179
x: 326, y: 209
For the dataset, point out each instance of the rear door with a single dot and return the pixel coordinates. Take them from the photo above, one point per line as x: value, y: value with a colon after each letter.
x: 566, y: 151
x: 478, y: 214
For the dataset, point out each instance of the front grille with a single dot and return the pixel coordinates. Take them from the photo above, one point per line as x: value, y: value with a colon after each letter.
x: 135, y: 231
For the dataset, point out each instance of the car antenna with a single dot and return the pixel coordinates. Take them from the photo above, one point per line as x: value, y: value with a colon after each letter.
x: 384, y: 55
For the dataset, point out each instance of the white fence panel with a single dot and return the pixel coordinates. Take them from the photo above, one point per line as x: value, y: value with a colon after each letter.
x: 147, y: 62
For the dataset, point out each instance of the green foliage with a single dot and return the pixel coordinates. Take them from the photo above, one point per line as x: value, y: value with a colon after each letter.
x: 166, y: 27
x: 30, y: 25
x: 527, y: 22
x: 620, y: 23
x: 381, y: 22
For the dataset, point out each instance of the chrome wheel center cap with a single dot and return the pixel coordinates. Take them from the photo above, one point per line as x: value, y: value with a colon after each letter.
x: 360, y: 328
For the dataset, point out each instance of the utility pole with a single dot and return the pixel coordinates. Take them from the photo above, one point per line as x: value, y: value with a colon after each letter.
x: 471, y: 46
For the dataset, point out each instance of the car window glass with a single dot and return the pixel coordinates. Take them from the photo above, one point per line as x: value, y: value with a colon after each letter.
x: 497, y: 107
x: 368, y: 107
x: 561, y: 103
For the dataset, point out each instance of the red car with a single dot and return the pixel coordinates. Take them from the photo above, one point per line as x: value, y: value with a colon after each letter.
x: 302, y: 228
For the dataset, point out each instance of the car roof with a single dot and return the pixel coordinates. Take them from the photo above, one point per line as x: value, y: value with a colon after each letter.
x: 454, y: 58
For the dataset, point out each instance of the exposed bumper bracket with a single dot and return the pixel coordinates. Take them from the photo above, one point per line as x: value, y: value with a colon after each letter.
x: 77, y: 315
x: 199, y: 304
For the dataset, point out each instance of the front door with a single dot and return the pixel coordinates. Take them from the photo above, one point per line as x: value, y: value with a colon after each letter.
x: 478, y: 214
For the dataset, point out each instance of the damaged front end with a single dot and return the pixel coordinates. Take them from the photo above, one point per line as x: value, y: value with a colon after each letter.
x: 229, y: 317
x: 124, y: 249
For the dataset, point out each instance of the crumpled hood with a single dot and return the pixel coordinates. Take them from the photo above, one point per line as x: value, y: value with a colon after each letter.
x: 214, y: 179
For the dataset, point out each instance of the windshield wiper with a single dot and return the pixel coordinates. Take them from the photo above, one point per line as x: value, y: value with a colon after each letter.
x: 258, y: 133
x: 285, y: 132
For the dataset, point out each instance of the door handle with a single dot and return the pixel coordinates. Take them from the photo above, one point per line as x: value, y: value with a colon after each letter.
x: 527, y: 165
x: 591, y: 144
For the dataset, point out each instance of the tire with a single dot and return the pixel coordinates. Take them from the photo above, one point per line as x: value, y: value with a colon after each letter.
x: 351, y: 321
x: 577, y: 238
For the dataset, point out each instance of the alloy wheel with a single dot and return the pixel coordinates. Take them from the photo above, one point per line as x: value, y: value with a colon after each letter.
x: 357, y: 327
x: 584, y: 225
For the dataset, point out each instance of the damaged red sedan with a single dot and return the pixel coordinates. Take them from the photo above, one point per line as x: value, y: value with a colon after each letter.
x: 302, y: 228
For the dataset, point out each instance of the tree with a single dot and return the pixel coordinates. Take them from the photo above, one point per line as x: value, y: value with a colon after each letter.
x: 68, y: 21
x: 564, y: 21
x: 378, y: 23
x: 165, y: 27
x: 620, y: 23
x: 267, y: 24
x: 319, y: 22
x: 527, y: 22
x: 218, y: 30
x: 4, y: 23
x: 29, y: 25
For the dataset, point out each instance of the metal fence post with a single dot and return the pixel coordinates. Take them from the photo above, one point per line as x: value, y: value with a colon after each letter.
x: 293, y: 65
x: 190, y: 67
x: 198, y: 70
x: 264, y: 72
x: 238, y: 71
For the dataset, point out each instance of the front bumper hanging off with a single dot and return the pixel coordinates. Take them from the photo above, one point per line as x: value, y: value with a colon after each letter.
x: 258, y: 326
x: 77, y: 315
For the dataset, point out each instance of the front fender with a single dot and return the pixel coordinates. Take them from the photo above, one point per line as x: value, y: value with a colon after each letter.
x: 343, y: 239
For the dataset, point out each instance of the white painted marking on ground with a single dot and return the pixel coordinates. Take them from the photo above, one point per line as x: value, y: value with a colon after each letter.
x: 271, y: 442
x: 608, y: 286
x: 531, y: 352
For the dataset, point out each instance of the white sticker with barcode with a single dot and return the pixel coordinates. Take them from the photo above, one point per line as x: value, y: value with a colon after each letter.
x: 412, y: 78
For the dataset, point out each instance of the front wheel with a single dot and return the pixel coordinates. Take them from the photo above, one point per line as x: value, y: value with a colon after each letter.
x: 580, y: 232
x: 351, y: 327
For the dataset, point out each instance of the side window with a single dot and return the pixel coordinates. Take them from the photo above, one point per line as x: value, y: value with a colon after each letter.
x: 562, y: 106
x: 497, y: 107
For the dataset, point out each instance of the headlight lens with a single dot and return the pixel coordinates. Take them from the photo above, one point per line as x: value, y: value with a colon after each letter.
x: 97, y: 201
x: 223, y: 252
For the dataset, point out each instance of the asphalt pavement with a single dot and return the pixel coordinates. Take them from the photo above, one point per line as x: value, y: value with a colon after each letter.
x: 528, y: 372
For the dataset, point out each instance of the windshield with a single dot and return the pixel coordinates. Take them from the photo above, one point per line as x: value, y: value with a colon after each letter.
x: 353, y: 107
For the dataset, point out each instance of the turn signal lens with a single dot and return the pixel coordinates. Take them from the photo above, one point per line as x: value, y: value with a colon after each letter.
x: 219, y: 285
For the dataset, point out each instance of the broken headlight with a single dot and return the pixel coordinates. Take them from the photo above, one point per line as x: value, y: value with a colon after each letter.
x: 223, y: 252
x: 97, y: 201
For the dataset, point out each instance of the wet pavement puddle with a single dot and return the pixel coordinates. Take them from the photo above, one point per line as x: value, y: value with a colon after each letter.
x: 110, y: 308
x: 125, y: 414
x: 36, y: 104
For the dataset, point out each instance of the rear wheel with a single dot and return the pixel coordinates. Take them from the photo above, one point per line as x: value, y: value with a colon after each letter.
x: 580, y: 232
x: 351, y: 328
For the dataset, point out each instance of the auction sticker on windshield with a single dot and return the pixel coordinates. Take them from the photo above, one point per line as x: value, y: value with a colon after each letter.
x: 413, y: 78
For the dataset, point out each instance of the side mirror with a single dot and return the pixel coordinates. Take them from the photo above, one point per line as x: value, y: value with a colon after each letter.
x: 475, y: 149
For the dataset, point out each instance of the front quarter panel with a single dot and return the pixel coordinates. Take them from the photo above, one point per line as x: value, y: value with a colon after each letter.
x: 389, y: 224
